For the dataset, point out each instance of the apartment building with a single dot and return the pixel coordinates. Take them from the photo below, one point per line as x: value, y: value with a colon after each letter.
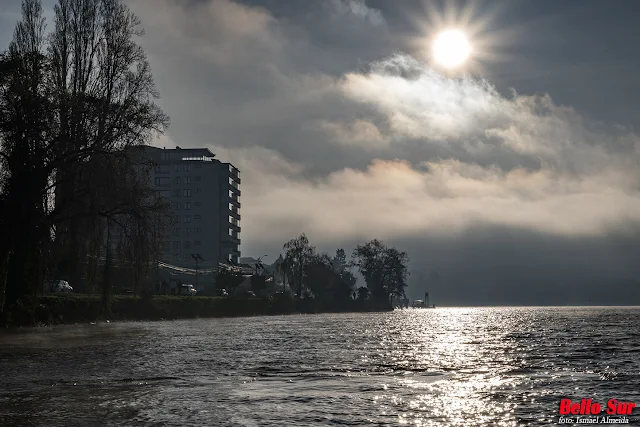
x: 205, y: 198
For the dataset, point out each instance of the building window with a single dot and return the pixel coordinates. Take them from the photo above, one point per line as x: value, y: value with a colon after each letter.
x: 177, y: 219
x: 196, y: 243
x: 177, y: 257
x: 187, y: 180
x: 176, y: 244
x: 196, y: 230
x: 198, y: 166
x: 197, y: 191
x: 187, y: 218
x: 187, y: 167
x: 177, y: 192
x: 177, y: 206
x: 197, y: 217
x: 187, y: 244
x: 178, y: 181
x: 186, y: 192
x: 187, y: 206
x: 187, y: 231
x: 177, y: 168
x: 197, y: 177
x: 166, y: 156
x: 197, y: 203
x: 177, y: 230
x: 161, y: 181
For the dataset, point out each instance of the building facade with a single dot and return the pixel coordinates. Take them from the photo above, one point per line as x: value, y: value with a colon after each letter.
x: 204, y: 194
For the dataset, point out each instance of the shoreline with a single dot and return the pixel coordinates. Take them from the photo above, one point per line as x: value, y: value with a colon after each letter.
x: 81, y: 309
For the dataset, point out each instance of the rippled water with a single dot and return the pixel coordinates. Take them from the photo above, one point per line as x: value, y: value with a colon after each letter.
x: 458, y: 366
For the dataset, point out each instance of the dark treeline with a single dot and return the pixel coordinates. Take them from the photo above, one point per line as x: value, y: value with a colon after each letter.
x: 305, y: 273
x: 75, y: 104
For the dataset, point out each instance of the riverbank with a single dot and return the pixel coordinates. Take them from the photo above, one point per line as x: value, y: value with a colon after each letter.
x: 79, y: 308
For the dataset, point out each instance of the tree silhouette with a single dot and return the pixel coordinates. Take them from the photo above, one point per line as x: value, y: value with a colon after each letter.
x: 384, y: 269
x: 72, y: 104
x: 298, y: 253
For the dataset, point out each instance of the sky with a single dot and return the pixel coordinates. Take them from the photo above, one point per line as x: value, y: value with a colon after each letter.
x: 515, y: 178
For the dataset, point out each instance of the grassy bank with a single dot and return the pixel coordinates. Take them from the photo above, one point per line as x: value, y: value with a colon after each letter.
x: 79, y: 308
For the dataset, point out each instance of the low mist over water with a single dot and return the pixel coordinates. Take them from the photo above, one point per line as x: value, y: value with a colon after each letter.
x: 453, y: 366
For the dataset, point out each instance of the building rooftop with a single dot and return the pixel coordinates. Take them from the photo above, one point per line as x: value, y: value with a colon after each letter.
x: 204, y: 151
x: 188, y: 152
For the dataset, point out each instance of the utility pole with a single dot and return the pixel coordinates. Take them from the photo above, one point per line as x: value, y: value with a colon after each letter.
x: 197, y: 258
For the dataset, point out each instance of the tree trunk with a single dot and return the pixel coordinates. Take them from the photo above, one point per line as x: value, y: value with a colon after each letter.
x: 106, y: 280
x: 4, y: 267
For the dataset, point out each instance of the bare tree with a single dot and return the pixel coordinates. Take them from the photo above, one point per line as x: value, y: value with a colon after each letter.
x: 26, y: 130
x: 70, y: 101
x: 298, y: 253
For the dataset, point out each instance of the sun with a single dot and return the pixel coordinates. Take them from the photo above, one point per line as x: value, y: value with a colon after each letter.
x: 451, y: 48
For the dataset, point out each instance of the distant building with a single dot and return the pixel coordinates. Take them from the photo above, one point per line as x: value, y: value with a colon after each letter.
x: 205, y: 198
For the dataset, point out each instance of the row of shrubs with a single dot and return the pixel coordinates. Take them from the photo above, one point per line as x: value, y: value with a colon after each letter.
x: 78, y: 308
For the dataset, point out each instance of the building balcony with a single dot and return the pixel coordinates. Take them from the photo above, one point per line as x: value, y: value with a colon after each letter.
x: 234, y: 200
x: 235, y: 178
x: 235, y: 227
x: 234, y: 214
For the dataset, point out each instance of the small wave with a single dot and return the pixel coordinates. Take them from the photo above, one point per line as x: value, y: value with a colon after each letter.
x: 521, y: 371
x: 609, y: 375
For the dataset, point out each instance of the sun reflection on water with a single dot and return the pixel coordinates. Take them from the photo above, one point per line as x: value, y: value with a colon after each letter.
x: 449, y: 376
x: 444, y: 367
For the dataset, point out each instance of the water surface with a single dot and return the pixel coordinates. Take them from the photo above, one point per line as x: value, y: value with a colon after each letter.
x: 443, y: 367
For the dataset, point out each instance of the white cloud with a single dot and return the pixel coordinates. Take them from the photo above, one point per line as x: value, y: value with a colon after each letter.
x: 359, y: 133
x: 583, y: 185
x: 222, y: 32
x: 359, y: 9
x: 392, y: 199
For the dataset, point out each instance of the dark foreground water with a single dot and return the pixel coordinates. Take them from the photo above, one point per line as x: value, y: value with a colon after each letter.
x: 462, y: 367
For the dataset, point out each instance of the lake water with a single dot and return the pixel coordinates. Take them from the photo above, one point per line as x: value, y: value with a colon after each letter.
x: 442, y: 367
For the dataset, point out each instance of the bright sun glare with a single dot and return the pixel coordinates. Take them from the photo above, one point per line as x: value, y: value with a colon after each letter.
x: 451, y: 48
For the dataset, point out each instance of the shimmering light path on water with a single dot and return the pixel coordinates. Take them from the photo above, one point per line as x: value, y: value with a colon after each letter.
x: 458, y: 367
